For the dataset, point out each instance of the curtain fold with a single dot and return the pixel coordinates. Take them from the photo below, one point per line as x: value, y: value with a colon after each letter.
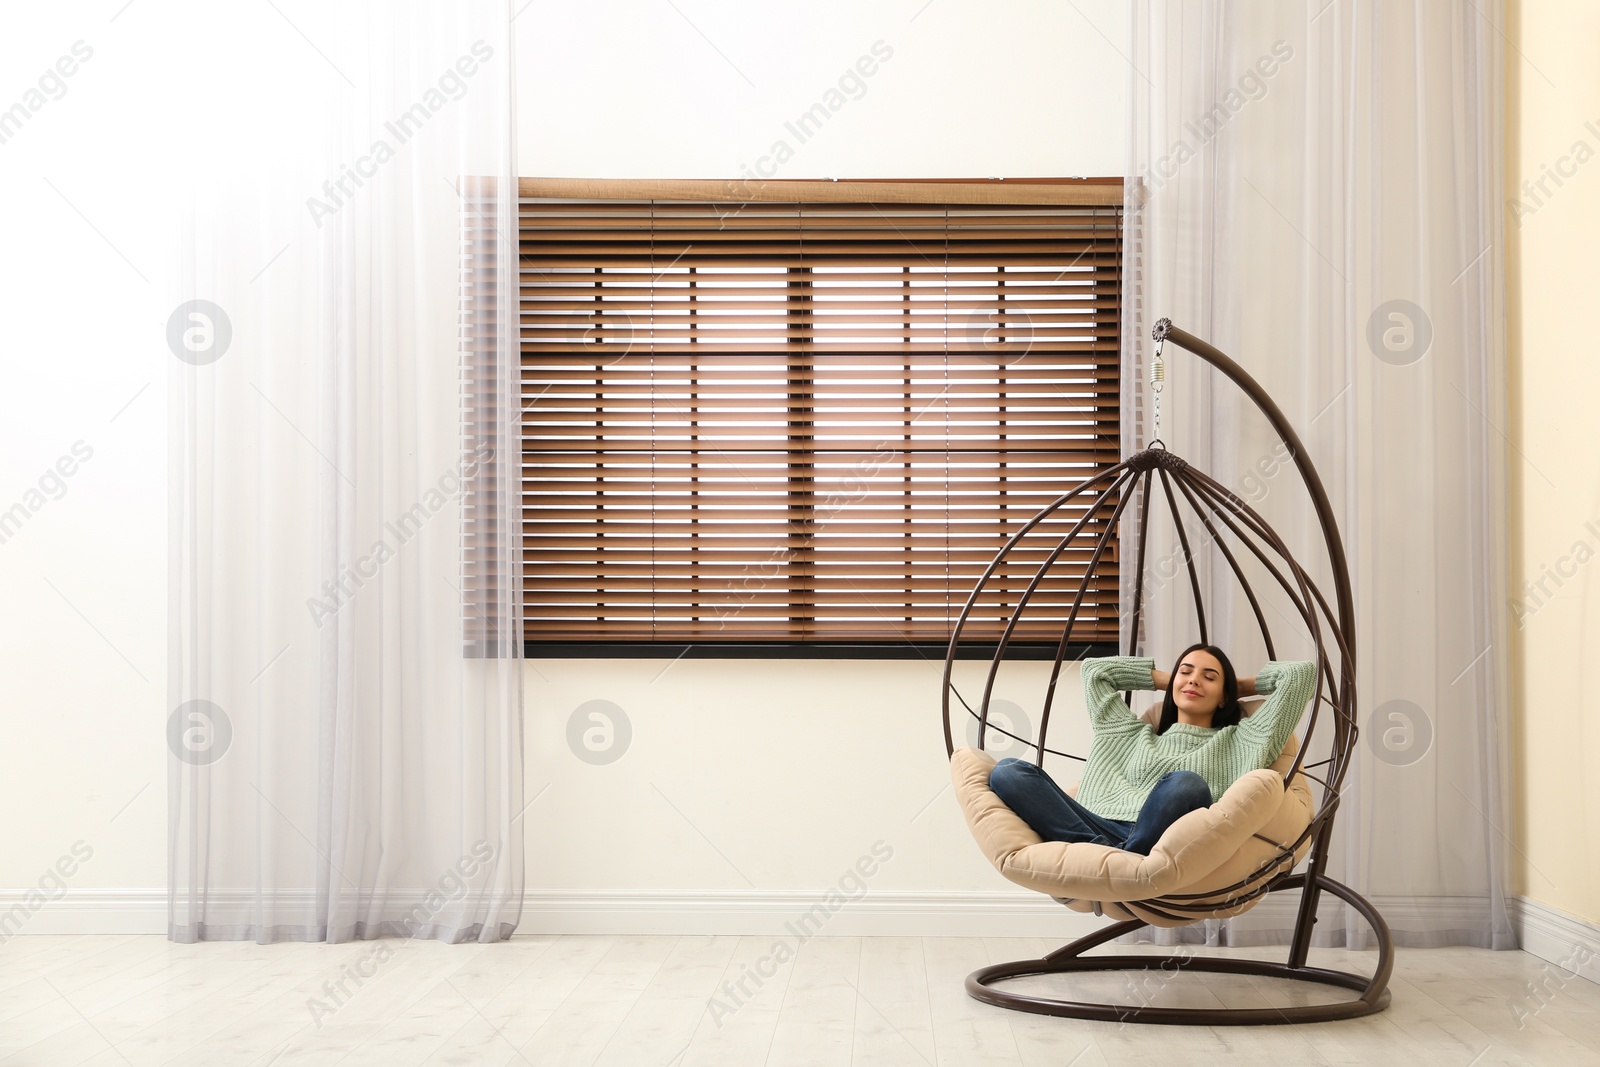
x: 344, y: 567
x: 1316, y: 190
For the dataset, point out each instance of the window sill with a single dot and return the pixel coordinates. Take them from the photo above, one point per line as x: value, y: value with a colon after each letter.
x: 769, y: 650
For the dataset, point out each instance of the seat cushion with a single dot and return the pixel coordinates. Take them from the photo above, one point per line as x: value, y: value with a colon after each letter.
x: 1204, y: 852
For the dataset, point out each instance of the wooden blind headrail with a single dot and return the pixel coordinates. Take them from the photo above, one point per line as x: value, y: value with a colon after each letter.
x: 1069, y: 192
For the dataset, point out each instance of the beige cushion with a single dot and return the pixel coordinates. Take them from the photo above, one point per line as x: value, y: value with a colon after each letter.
x: 1201, y: 853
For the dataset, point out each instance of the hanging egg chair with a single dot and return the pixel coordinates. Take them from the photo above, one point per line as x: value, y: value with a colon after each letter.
x: 1212, y: 863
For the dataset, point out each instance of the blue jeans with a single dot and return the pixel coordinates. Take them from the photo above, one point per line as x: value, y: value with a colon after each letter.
x: 1054, y: 816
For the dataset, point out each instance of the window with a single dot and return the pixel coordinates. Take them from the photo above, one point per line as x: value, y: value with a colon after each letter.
x: 809, y: 423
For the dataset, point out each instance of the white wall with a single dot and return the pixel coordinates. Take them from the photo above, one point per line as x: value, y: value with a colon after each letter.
x: 633, y: 89
x: 746, y: 781
x: 83, y: 580
x: 792, y: 769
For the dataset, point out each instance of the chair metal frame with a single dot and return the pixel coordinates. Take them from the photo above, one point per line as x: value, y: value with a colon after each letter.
x: 1208, y: 500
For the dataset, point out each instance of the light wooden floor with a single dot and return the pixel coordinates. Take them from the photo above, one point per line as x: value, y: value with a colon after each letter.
x: 646, y: 1001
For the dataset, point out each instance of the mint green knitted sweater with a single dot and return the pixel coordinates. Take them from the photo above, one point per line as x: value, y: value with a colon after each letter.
x: 1127, y: 758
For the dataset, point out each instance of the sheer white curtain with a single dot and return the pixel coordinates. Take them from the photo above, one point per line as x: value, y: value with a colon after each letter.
x: 345, y: 656
x: 1316, y: 190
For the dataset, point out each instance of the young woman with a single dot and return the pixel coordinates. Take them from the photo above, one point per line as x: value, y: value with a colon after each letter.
x: 1139, y: 779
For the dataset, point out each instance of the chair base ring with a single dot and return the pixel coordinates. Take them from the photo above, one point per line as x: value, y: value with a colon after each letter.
x: 1374, y: 990
x: 978, y: 987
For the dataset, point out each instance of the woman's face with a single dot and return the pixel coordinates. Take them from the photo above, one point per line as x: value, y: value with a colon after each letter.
x: 1197, y: 684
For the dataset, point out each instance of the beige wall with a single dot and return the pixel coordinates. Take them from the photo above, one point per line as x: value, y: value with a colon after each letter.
x: 1553, y: 237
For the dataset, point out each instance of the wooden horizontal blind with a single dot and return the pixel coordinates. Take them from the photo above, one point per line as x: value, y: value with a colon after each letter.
x: 810, y: 423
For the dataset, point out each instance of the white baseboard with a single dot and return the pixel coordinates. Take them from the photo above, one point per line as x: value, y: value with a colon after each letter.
x: 1566, y: 941
x: 762, y: 913
x: 83, y: 911
x: 1020, y: 914
x: 1550, y: 934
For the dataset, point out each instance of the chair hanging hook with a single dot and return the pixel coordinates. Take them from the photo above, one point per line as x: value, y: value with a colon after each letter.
x: 1158, y: 381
